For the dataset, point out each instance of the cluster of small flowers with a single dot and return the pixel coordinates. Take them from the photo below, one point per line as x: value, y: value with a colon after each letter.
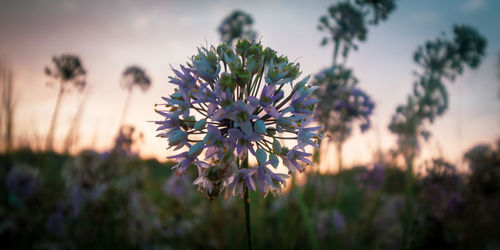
x: 85, y: 178
x: 238, y: 93
x: 22, y: 181
x: 356, y: 103
x: 126, y: 140
x: 350, y: 102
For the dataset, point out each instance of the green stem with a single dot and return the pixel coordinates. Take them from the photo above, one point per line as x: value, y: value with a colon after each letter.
x: 408, y: 203
x: 246, y: 200
x: 339, y: 173
x: 305, y: 216
x: 50, y: 135
x: 335, y: 52
x: 125, y: 108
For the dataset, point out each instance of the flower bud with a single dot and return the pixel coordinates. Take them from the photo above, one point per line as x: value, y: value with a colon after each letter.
x: 200, y: 125
x: 276, y: 146
x: 196, y: 149
x: 260, y: 127
x: 178, y: 137
x: 261, y: 156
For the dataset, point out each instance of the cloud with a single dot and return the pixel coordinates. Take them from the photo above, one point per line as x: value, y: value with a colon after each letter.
x: 473, y: 5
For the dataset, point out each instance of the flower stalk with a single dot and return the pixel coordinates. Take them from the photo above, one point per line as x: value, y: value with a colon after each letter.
x: 246, y: 201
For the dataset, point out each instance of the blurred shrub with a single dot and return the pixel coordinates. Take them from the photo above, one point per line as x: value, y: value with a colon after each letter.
x: 117, y: 200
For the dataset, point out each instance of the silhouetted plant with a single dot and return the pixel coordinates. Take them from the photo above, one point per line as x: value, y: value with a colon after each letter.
x: 483, y: 198
x: 341, y: 104
x: 345, y: 23
x: 484, y: 162
x: 7, y: 106
x: 126, y: 139
x: 441, y: 202
x: 133, y: 76
x: 73, y: 133
x: 67, y: 70
x: 440, y: 59
x: 238, y: 25
x: 379, y: 10
x: 341, y: 101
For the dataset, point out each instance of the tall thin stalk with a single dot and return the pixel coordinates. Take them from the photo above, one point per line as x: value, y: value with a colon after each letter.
x: 247, y: 219
x: 246, y: 200
x: 72, y: 137
x: 2, y: 87
x: 7, y: 106
x: 133, y: 76
x: 50, y: 135
x: 335, y: 52
x: 9, y: 110
x: 67, y: 70
x: 408, y: 203
x: 339, y: 173
x: 125, y: 108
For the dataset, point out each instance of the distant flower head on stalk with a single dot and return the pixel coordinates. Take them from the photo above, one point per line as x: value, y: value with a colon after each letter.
x: 379, y: 9
x: 341, y: 103
x: 67, y: 69
x: 135, y: 76
x: 238, y: 25
x: 344, y: 24
x: 347, y: 21
x: 229, y: 102
x: 440, y: 59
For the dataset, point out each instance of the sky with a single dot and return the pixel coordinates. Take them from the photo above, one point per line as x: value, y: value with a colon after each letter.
x: 111, y: 35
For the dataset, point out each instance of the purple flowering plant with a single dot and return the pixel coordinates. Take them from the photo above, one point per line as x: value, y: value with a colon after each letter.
x: 234, y: 102
x: 342, y: 103
x: 22, y: 183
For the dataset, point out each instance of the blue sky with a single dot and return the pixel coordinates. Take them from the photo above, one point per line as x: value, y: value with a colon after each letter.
x: 110, y: 35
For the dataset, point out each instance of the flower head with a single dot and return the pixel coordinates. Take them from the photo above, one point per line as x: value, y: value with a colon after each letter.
x: 67, y: 69
x: 342, y: 103
x: 229, y: 104
x: 135, y: 76
x: 236, y: 26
